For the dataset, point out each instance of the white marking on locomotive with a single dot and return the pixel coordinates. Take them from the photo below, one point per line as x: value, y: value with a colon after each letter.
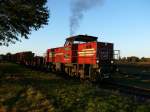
x: 59, y: 54
x: 87, y: 52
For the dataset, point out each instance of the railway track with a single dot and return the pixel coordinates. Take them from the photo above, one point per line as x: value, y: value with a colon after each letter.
x: 135, y: 91
x: 141, y: 93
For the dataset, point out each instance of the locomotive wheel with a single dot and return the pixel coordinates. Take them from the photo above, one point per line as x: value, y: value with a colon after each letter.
x: 81, y: 74
x: 47, y: 67
x: 94, y: 76
x: 73, y: 72
x: 53, y: 68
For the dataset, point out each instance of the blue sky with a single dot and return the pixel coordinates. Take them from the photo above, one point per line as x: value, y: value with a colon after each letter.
x: 126, y: 23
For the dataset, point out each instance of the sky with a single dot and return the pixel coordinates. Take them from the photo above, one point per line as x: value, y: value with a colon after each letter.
x: 126, y: 23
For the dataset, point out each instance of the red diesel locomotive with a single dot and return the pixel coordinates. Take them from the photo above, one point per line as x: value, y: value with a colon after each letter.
x: 82, y: 56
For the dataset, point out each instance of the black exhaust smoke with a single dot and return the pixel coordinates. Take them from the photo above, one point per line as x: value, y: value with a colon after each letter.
x: 78, y: 8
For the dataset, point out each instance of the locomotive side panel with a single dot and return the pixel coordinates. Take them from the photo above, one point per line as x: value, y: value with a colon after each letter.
x: 75, y: 53
x: 67, y: 54
x: 70, y: 53
x: 87, y: 53
x: 58, y: 55
x: 50, y: 55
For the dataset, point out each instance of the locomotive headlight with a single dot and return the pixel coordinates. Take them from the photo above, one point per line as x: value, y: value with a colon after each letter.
x: 99, y: 70
x: 97, y: 61
x: 112, y: 62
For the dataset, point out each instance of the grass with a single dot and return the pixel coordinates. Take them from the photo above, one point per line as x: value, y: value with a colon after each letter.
x: 26, y: 90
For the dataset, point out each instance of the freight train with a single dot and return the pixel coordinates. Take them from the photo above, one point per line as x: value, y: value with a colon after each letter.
x: 81, y: 56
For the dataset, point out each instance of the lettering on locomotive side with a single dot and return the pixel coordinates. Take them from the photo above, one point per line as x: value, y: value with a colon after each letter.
x: 87, y: 52
x: 58, y: 54
x: 91, y: 49
x: 66, y: 59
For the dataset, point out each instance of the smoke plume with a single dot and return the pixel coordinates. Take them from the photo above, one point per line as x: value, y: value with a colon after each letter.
x: 78, y: 8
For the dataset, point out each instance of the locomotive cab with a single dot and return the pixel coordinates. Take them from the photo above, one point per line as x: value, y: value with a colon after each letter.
x: 80, y: 39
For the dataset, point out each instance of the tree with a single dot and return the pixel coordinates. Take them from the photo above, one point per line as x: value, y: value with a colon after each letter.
x: 19, y: 17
